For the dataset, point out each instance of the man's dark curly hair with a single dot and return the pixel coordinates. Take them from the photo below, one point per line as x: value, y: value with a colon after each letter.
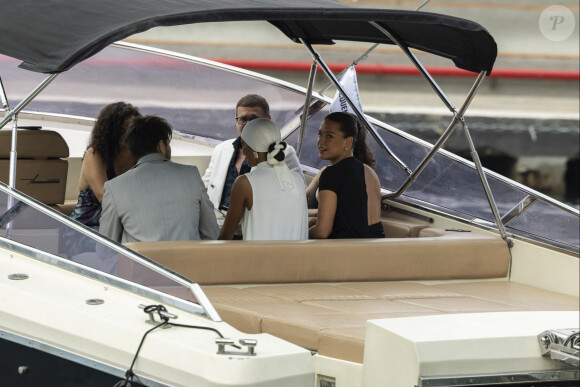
x: 108, y: 130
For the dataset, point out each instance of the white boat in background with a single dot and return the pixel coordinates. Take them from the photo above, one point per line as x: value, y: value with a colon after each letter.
x: 476, y: 284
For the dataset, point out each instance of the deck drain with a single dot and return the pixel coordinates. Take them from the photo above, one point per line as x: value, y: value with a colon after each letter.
x: 95, y: 301
x: 18, y: 276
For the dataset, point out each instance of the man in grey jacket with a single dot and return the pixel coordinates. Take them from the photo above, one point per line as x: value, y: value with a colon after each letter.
x: 157, y: 199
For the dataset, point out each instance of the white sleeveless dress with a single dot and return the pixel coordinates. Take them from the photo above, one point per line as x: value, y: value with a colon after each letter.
x: 275, y: 214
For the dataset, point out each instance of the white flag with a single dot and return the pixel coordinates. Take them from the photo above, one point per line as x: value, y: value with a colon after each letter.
x: 350, y: 86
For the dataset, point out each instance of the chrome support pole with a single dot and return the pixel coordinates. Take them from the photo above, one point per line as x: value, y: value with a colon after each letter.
x: 486, y: 188
x: 364, y: 56
x: 12, y: 165
x: 519, y: 209
x: 27, y: 100
x: 13, y: 115
x: 3, y: 97
x: 12, y: 172
x: 422, y: 5
x: 456, y: 118
x: 13, y: 152
x: 417, y: 64
x: 358, y: 113
x: 306, y: 109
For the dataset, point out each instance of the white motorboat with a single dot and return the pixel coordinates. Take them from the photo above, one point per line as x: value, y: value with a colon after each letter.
x: 476, y: 284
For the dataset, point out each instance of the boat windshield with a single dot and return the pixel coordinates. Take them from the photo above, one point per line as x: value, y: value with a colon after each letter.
x: 31, y: 229
x: 454, y: 185
x: 198, y: 98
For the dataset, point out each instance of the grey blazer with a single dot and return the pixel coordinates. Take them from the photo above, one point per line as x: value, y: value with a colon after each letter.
x: 157, y: 200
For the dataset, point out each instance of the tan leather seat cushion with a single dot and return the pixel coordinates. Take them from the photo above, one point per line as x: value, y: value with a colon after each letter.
x: 399, y: 290
x: 310, y: 292
x: 248, y: 316
x: 343, y: 343
x: 44, y: 180
x: 34, y: 144
x: 39, y: 171
x: 450, y: 256
x: 515, y: 294
x: 395, y: 228
x: 332, y: 318
x: 305, y: 330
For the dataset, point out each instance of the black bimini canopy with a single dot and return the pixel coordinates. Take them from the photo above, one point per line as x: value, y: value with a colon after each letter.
x: 51, y: 36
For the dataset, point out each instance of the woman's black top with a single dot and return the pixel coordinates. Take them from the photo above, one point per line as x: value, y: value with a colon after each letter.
x: 347, y: 179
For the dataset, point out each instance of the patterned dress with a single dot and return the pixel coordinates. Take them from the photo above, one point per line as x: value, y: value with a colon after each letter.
x: 87, y: 212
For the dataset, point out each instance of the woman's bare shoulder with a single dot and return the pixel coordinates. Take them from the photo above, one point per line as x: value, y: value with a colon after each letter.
x: 92, y: 153
x: 370, y: 171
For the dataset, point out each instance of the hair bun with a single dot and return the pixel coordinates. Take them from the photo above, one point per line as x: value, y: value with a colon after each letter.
x: 276, y: 152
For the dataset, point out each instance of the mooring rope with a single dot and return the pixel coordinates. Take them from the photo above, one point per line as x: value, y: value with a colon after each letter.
x: 130, y: 375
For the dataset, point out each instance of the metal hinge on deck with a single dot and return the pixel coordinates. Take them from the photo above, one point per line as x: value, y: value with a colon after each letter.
x: 249, y: 343
x: 561, y: 345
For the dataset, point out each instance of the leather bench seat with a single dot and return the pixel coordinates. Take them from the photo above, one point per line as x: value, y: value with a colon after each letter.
x: 515, y: 294
x: 449, y: 255
x: 319, y: 294
x: 41, y: 171
x: 397, y: 228
x: 331, y: 318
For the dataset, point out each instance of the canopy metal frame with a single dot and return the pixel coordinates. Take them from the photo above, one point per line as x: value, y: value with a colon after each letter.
x: 458, y: 117
x: 12, y: 115
x: 318, y: 59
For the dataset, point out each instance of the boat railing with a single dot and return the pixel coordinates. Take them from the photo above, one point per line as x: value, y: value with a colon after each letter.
x: 43, y: 233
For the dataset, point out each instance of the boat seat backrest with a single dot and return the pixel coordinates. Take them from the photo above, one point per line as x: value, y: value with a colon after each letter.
x: 450, y: 255
x: 41, y: 171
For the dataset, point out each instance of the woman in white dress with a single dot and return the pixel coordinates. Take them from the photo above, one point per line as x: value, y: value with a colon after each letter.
x: 270, y: 201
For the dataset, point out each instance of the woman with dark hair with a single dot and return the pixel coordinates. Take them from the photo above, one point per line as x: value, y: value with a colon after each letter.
x: 349, y: 198
x: 270, y: 200
x: 105, y: 158
x: 360, y: 151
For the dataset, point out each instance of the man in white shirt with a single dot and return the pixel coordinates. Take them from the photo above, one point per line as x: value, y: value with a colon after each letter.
x: 228, y: 161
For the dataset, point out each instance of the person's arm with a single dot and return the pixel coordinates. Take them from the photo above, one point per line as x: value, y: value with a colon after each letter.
x: 208, y: 172
x: 95, y: 172
x: 110, y: 224
x: 313, y: 212
x: 327, y: 202
x: 207, y: 226
x: 373, y: 186
x: 240, y: 198
x: 313, y: 186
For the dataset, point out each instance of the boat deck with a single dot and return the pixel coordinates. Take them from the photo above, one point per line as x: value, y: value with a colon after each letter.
x: 319, y: 294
